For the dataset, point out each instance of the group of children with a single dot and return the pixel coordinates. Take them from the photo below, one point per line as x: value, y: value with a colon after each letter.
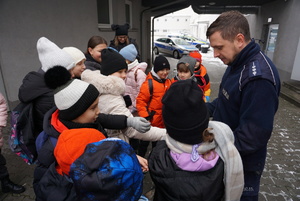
x: 100, y: 100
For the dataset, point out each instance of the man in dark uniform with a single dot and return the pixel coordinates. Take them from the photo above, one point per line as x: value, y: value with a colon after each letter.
x: 248, y: 96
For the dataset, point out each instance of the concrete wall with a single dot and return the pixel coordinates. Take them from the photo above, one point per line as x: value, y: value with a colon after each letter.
x: 287, y: 15
x: 66, y: 23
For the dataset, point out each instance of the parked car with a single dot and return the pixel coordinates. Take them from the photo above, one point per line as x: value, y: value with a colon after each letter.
x: 191, y: 39
x: 173, y: 46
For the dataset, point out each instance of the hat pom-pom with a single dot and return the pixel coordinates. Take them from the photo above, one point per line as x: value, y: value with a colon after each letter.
x: 114, y: 27
x: 127, y: 25
x: 57, y: 76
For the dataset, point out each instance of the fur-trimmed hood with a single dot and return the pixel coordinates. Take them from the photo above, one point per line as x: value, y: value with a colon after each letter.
x: 105, y: 84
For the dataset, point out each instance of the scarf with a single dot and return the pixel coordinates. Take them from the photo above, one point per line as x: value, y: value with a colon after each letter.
x: 224, y: 145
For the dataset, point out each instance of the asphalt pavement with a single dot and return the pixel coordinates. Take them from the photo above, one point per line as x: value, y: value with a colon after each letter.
x: 281, y: 176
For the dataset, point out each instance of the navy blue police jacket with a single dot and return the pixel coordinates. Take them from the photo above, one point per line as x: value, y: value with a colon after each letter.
x: 247, y: 102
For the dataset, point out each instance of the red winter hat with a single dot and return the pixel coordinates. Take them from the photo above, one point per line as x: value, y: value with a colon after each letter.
x: 196, y: 55
x: 71, y: 144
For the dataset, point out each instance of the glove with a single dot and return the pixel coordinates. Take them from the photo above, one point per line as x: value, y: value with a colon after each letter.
x: 138, y: 123
x: 127, y: 100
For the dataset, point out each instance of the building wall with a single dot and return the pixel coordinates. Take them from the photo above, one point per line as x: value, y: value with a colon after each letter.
x: 287, y: 15
x: 171, y: 23
x: 63, y: 22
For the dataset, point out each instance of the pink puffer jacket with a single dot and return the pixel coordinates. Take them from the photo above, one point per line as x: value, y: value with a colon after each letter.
x: 134, y: 79
x: 3, y: 117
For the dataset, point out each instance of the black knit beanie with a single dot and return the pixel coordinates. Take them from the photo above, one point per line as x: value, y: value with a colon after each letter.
x: 112, y: 61
x: 184, y: 112
x: 160, y: 63
x: 121, y: 30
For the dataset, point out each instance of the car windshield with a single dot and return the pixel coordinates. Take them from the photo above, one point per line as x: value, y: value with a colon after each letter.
x: 193, y: 38
x: 179, y: 41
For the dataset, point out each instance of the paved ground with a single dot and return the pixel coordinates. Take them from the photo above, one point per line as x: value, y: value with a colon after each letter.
x: 281, y: 177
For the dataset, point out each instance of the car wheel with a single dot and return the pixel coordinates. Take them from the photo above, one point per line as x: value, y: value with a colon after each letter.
x: 155, y: 50
x: 198, y: 46
x: 176, y: 54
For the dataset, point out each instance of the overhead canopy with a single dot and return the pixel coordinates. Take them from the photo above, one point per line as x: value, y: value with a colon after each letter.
x: 161, y: 7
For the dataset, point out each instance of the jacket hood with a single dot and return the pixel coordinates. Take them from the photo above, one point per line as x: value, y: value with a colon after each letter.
x: 33, y: 86
x: 136, y: 65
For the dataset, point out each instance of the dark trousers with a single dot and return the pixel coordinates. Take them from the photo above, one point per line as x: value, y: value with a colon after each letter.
x: 3, y: 168
x: 134, y: 144
x: 143, y: 147
x: 251, y: 188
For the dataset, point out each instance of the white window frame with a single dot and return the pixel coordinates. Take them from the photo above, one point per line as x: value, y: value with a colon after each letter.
x: 129, y: 3
x: 107, y: 25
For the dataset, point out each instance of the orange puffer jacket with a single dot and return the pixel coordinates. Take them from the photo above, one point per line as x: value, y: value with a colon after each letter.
x: 202, y: 72
x: 155, y: 106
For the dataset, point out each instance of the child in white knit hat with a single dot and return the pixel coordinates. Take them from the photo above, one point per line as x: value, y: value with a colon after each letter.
x: 34, y: 89
x: 79, y: 59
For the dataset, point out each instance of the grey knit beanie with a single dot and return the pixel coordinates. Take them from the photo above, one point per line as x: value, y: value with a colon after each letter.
x: 189, y: 61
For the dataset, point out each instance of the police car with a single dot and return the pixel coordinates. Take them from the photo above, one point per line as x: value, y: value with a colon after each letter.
x: 173, y: 46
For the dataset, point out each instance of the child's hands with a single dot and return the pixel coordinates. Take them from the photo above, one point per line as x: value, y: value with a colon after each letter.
x: 210, y: 155
x: 139, y: 123
x: 143, y: 162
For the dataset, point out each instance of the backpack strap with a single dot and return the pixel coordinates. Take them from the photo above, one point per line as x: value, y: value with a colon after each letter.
x: 151, y: 113
x: 150, y: 90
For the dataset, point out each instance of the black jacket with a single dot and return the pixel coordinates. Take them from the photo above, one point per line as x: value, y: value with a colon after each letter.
x: 54, y: 186
x: 91, y: 63
x: 174, y: 184
x: 34, y: 89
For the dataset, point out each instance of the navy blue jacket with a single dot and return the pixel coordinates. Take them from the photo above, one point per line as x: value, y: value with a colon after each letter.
x: 247, y: 102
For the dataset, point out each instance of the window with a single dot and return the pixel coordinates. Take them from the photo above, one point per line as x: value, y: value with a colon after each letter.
x: 128, y: 12
x: 104, y: 9
x: 162, y: 40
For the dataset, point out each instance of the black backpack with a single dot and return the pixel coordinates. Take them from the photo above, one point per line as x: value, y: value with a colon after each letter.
x: 21, y: 139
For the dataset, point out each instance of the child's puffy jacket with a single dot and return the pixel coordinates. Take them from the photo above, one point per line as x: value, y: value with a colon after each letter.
x: 154, y: 111
x: 134, y: 79
x: 203, y: 80
x: 111, y: 101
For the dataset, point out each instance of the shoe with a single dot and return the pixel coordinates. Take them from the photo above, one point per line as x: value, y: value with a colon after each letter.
x: 9, y: 186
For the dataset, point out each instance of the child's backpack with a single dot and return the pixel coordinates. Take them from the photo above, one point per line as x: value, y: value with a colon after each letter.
x: 21, y: 140
x: 43, y: 138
